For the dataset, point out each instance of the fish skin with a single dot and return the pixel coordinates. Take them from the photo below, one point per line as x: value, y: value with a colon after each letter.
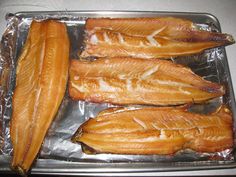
x: 138, y: 81
x: 41, y: 77
x: 157, y: 130
x: 162, y: 37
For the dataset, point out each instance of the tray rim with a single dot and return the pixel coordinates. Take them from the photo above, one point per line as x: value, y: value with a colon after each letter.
x: 116, y: 12
x: 117, y: 169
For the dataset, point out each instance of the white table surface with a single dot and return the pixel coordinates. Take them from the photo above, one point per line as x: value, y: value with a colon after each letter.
x: 224, y: 10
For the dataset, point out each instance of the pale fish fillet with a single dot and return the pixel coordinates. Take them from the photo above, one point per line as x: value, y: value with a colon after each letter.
x: 138, y: 81
x: 153, y: 130
x: 41, y: 77
x: 163, y: 37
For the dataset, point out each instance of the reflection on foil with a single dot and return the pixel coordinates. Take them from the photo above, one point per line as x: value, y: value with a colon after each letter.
x: 211, y: 65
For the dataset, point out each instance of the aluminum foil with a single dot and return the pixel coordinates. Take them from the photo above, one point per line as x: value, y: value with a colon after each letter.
x: 211, y: 65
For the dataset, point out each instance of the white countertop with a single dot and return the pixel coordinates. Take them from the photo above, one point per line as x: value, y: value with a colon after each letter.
x: 224, y: 10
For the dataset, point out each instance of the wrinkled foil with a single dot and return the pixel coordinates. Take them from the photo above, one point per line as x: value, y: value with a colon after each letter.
x: 211, y: 65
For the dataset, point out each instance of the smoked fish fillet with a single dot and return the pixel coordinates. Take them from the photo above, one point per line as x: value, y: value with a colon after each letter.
x: 162, y: 37
x: 138, y: 81
x: 41, y: 78
x: 156, y: 130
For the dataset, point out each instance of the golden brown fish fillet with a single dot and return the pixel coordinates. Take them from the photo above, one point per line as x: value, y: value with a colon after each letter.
x: 148, y: 37
x: 41, y: 77
x: 138, y: 81
x: 153, y: 130
x: 175, y: 28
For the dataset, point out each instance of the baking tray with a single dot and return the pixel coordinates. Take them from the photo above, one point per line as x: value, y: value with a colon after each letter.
x: 116, y: 168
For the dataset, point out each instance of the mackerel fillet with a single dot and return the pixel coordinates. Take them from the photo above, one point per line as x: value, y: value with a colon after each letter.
x: 138, y: 81
x: 156, y: 130
x: 41, y: 78
x: 162, y: 37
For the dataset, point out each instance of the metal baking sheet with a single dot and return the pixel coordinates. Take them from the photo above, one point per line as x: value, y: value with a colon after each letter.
x: 54, y: 158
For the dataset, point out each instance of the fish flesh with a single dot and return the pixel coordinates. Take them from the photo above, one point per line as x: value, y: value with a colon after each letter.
x: 41, y: 77
x: 156, y: 130
x: 162, y: 37
x: 172, y: 27
x: 138, y: 81
x: 116, y: 44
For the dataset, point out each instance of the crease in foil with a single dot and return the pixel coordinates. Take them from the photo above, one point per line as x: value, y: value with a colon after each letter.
x: 7, y: 69
x: 211, y: 65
